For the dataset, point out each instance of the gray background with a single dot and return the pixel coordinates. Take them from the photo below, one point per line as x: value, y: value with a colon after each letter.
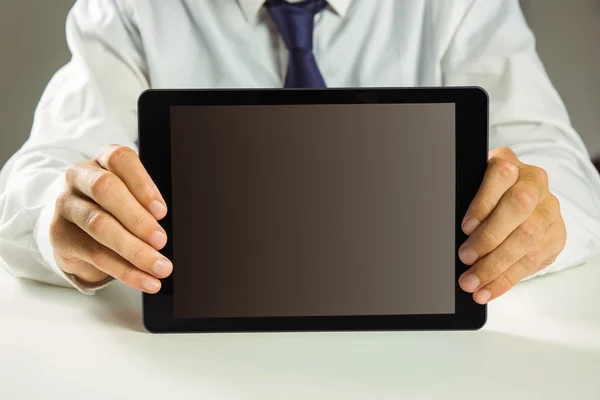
x: 313, y: 210
x: 32, y: 48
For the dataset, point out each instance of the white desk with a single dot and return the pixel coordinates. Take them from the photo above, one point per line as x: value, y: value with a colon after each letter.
x: 542, y: 341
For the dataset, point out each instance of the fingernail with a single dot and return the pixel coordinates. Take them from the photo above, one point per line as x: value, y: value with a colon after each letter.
x: 470, y: 225
x: 467, y: 255
x: 469, y: 282
x: 162, y: 268
x: 482, y: 296
x: 158, y: 209
x: 150, y: 285
x: 158, y: 240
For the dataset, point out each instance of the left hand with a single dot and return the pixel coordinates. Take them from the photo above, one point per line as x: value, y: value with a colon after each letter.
x: 514, y: 225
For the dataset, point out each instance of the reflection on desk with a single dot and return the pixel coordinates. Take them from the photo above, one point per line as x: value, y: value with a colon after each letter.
x: 542, y: 341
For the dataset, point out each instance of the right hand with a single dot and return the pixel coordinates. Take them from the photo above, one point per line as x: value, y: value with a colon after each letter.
x: 105, y: 222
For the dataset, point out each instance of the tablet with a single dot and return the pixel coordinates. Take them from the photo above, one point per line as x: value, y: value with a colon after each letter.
x: 314, y: 210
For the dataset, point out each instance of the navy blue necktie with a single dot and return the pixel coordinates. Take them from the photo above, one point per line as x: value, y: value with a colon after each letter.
x: 295, y: 22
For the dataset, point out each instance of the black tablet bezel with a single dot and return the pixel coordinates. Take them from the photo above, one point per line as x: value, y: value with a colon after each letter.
x: 471, y: 104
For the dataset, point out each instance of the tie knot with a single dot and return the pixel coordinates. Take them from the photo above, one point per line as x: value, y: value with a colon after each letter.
x: 295, y: 22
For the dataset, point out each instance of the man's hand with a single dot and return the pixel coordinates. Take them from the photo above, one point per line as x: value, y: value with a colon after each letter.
x: 105, y: 223
x: 514, y: 225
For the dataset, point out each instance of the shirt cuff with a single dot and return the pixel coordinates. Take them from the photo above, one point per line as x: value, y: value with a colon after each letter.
x: 42, y: 238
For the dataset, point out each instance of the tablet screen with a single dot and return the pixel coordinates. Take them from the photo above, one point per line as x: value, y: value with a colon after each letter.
x: 313, y: 210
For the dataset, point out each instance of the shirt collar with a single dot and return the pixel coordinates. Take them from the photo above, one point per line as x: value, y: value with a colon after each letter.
x: 252, y: 7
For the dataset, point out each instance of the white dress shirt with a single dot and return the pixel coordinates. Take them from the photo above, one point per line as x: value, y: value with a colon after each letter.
x: 122, y: 47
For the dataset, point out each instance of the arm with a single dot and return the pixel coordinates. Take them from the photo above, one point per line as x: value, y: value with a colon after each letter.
x: 493, y: 48
x: 88, y: 104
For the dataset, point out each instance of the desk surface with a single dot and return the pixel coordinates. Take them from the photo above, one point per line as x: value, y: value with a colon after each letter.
x: 542, y: 341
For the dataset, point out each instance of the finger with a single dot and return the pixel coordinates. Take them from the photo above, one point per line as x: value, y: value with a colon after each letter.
x: 521, y: 241
x: 61, y: 234
x: 557, y: 237
x: 75, y: 243
x: 125, y: 163
x: 500, y: 175
x: 504, y: 152
x: 109, y: 191
x: 86, y: 274
x: 515, y: 206
x: 531, y: 263
x: 104, y: 228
